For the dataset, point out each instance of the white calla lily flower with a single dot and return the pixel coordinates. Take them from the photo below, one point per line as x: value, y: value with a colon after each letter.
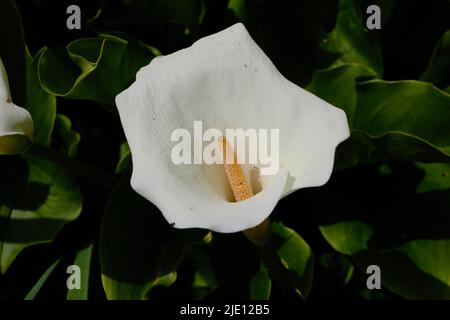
x: 16, y: 124
x: 226, y: 81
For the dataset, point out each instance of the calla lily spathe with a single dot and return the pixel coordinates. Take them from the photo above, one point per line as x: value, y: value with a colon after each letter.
x: 226, y: 81
x: 16, y: 124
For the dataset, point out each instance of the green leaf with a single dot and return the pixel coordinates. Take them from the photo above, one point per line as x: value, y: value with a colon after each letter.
x: 37, y: 199
x: 94, y: 69
x: 260, y: 285
x: 40, y: 104
x: 12, y: 50
x: 37, y: 287
x: 350, y: 42
x: 432, y: 257
x: 438, y: 69
x: 408, y: 239
x: 83, y: 260
x: 70, y: 138
x: 337, y: 236
x: 402, y: 118
x: 239, y: 8
x: 289, y: 260
x: 399, y: 146
x: 337, y: 85
x: 204, y: 277
x: 416, y: 270
x: 138, y: 248
x: 124, y: 158
x: 389, y: 120
x: 437, y: 177
x: 413, y: 107
x: 130, y: 291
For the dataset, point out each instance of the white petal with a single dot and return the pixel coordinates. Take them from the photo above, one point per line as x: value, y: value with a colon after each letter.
x: 4, y: 84
x: 226, y: 81
x: 15, y: 122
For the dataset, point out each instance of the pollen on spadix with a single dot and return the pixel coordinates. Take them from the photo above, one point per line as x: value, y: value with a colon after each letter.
x: 239, y: 184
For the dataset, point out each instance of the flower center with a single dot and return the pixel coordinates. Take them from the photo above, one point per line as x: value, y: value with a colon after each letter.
x: 239, y: 184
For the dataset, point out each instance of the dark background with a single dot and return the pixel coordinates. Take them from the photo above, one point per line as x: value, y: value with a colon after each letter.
x: 407, y: 42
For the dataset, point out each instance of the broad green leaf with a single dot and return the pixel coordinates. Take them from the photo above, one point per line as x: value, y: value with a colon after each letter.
x: 83, y: 260
x: 94, y: 69
x: 260, y: 285
x: 416, y: 270
x: 399, y: 146
x: 350, y: 42
x: 337, y: 236
x: 289, y: 260
x: 37, y: 287
x: 138, y: 248
x: 12, y: 50
x: 437, y: 177
x: 388, y: 224
x: 37, y: 199
x: 438, y: 70
x: 402, y: 120
x: 413, y: 107
x: 68, y: 136
x: 431, y: 257
x: 39, y: 103
x: 389, y: 120
x: 337, y: 85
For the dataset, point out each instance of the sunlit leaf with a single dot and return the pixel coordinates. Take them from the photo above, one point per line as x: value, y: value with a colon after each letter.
x: 348, y: 237
x: 437, y: 177
x: 350, y: 42
x: 94, y: 69
x: 389, y: 120
x: 37, y: 199
x: 289, y: 260
x: 82, y: 260
x: 39, y: 103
